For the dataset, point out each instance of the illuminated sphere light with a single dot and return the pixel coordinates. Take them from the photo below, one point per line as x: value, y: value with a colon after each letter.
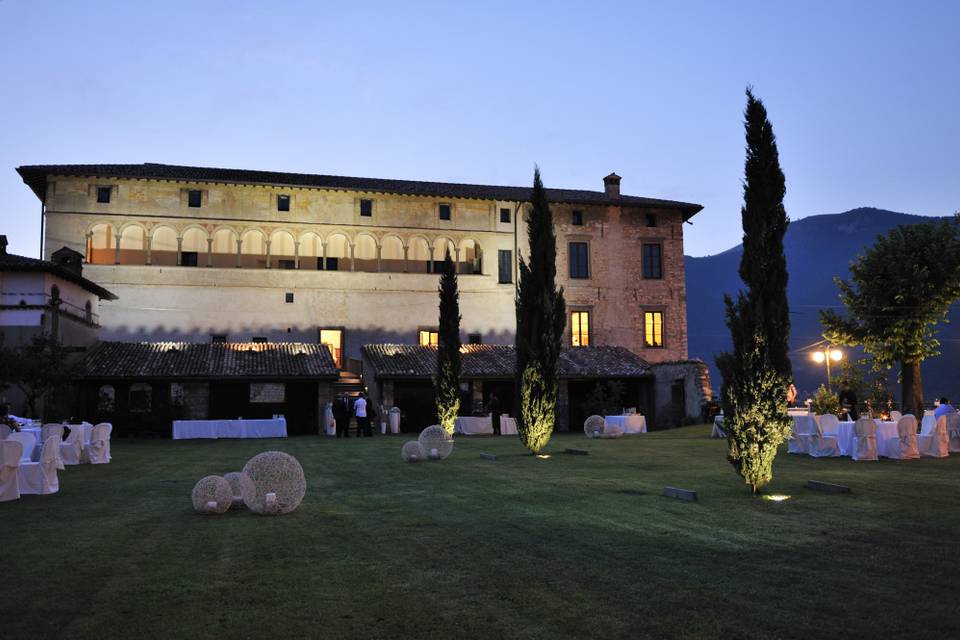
x: 818, y: 357
x: 277, y: 483
x: 836, y: 355
x: 212, y: 495
x: 594, y: 426
x: 411, y: 451
x: 436, y: 443
x: 240, y: 485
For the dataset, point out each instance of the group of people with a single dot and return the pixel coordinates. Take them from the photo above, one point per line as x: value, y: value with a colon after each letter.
x: 344, y: 409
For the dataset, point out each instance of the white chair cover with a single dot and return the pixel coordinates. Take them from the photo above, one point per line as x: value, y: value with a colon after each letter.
x: 821, y: 445
x: 904, y: 446
x: 829, y: 424
x: 41, y: 477
x: 29, y: 442
x: 72, y: 447
x: 5, y: 431
x: 953, y: 431
x: 48, y: 430
x: 865, y: 439
x: 98, y: 451
x: 804, y: 426
x: 936, y: 444
x: 895, y: 416
x: 10, y: 453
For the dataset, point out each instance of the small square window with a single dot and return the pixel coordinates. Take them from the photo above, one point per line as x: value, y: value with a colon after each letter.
x: 444, y: 212
x: 288, y: 297
x: 576, y: 218
x: 259, y: 339
x: 474, y: 338
x: 218, y: 338
x: 188, y: 259
x: 193, y: 198
x: 283, y: 203
x: 505, y: 215
x: 103, y: 194
x: 332, y: 264
x: 651, y: 219
x: 366, y: 208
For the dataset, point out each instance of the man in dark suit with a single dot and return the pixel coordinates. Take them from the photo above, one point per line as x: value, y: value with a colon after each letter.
x: 494, y: 406
x: 342, y: 411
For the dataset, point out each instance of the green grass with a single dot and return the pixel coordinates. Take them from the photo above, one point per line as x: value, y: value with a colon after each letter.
x: 570, y: 546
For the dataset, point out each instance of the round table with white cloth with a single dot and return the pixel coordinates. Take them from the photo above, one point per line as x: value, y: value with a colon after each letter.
x: 845, y: 434
x: 628, y: 424
x: 473, y: 425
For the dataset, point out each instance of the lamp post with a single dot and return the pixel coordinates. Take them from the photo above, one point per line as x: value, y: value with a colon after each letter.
x: 826, y: 355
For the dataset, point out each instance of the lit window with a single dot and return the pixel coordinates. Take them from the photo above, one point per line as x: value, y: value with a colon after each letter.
x: 429, y: 338
x: 652, y: 261
x: 580, y: 329
x: 505, y: 215
x: 366, y: 208
x: 576, y: 218
x: 193, y: 198
x: 579, y: 260
x: 283, y: 203
x: 444, y: 212
x: 103, y: 194
x: 653, y: 329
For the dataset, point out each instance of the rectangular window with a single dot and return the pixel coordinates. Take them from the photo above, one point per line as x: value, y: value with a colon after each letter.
x: 288, y: 297
x: 579, y: 260
x: 504, y: 266
x: 576, y: 218
x: 188, y: 259
x: 366, y: 208
x: 474, y: 338
x: 259, y: 339
x: 580, y: 329
x: 193, y: 198
x: 651, y: 219
x: 505, y: 214
x: 444, y: 212
x: 218, y: 338
x: 653, y: 329
x: 429, y: 338
x: 283, y: 203
x: 103, y: 194
x: 332, y: 264
x: 652, y: 261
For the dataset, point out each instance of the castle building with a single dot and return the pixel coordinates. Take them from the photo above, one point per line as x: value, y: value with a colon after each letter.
x: 220, y: 255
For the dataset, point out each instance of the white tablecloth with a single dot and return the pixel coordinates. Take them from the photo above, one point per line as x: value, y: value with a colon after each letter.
x: 927, y: 424
x: 629, y: 424
x: 508, y: 426
x: 845, y: 435
x: 717, y: 431
x: 35, y: 431
x: 268, y: 428
x: 474, y: 425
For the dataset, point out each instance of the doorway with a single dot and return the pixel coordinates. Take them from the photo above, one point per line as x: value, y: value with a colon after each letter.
x: 333, y: 339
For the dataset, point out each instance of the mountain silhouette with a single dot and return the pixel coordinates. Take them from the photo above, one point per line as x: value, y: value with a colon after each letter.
x: 817, y: 249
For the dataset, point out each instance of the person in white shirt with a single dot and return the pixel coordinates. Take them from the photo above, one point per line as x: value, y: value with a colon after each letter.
x: 944, y: 408
x: 363, y: 421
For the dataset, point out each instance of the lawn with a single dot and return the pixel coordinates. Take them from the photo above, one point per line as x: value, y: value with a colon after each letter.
x: 520, y: 547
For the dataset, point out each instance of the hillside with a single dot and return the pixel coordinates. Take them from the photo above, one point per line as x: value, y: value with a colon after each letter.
x: 817, y: 249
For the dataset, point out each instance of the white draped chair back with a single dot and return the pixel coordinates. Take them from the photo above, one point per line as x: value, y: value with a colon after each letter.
x: 865, y: 439
x: 10, y: 453
x: 29, y: 442
x: 829, y: 424
x: 48, y: 430
x: 904, y: 446
x: 41, y: 477
x: 953, y: 431
x: 935, y: 444
x: 804, y: 426
x: 5, y: 431
x: 98, y: 451
x: 895, y: 416
x: 813, y: 441
x: 72, y: 447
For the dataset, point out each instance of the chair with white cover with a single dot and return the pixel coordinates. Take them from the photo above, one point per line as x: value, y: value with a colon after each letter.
x: 829, y: 424
x: 953, y: 431
x: 935, y: 444
x: 804, y: 427
x: 41, y: 477
x: 864, y: 439
x: 895, y: 416
x: 48, y: 430
x: 98, y: 450
x: 72, y: 447
x: 29, y: 442
x: 5, y: 431
x: 904, y: 446
x: 10, y: 454
x: 821, y: 445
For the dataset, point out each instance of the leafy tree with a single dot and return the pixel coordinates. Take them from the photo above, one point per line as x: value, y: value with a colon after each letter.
x: 447, y: 383
x: 900, y: 288
x: 825, y: 401
x: 606, y: 398
x: 39, y: 368
x: 757, y: 372
x: 541, y: 318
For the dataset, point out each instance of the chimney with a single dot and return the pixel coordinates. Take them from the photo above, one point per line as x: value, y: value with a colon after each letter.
x: 3, y: 245
x: 611, y: 185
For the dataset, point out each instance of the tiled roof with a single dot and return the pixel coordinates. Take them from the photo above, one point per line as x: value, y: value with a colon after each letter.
x: 498, y: 361
x: 207, y: 360
x: 11, y: 262
x: 36, y: 177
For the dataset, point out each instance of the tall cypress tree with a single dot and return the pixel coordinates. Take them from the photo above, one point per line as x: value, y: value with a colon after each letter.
x: 447, y: 383
x: 541, y: 318
x: 757, y: 372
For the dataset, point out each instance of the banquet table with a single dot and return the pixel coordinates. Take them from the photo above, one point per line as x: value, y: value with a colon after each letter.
x: 635, y: 423
x: 845, y: 435
x: 474, y: 425
x: 265, y: 428
x: 35, y: 431
x: 508, y: 426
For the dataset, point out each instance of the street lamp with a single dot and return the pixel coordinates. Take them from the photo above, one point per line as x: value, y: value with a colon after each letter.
x: 826, y: 355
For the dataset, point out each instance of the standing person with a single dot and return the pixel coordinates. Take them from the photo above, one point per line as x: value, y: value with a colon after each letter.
x: 341, y: 413
x: 791, y: 395
x: 848, y: 401
x: 363, y: 421
x: 494, y: 405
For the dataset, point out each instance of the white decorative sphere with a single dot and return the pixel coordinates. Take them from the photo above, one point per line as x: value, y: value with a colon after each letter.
x: 277, y: 481
x: 240, y: 485
x: 436, y: 443
x: 412, y: 451
x: 594, y: 426
x: 212, y: 495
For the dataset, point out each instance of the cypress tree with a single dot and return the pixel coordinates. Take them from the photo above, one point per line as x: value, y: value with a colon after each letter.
x: 447, y: 382
x: 757, y: 372
x: 541, y: 318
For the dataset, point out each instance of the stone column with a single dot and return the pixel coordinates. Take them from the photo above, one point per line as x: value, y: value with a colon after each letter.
x: 268, y: 254
x: 323, y: 256
x: 296, y: 254
x: 116, y: 254
x: 352, y: 253
x: 89, y: 251
x: 476, y: 388
x: 149, y: 250
x: 406, y: 258
x: 239, y: 254
x: 379, y: 258
x: 563, y: 408
x: 179, y: 250
x: 209, y: 252
x: 433, y: 258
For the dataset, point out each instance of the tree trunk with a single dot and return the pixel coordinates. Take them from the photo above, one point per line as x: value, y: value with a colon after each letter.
x: 912, y: 388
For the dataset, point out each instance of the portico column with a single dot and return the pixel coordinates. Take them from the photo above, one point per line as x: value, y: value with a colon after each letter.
x: 268, y: 254
x: 89, y: 251
x: 406, y: 259
x: 379, y: 258
x: 323, y: 256
x: 149, y: 250
x: 433, y: 258
x: 116, y: 255
x: 296, y: 255
x: 239, y: 246
x: 352, y: 247
x: 209, y: 252
x: 179, y: 250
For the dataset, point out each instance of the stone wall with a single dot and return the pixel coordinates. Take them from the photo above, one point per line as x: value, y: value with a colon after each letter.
x: 692, y: 376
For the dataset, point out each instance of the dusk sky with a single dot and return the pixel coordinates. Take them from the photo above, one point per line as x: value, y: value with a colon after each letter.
x: 864, y: 96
